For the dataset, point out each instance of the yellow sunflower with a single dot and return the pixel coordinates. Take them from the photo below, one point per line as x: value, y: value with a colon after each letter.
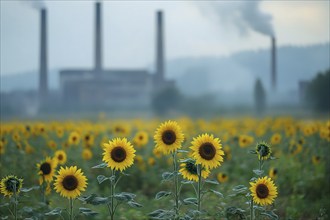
x: 46, y: 169
x: 141, y: 138
x: 87, y: 154
x: 316, y: 160
x: 118, y: 154
x: 188, y: 170
x: 222, y: 177
x: 10, y: 184
x: 273, y: 173
x: 70, y: 182
x: 275, y: 139
x: 263, y: 150
x: 60, y: 156
x: 263, y: 191
x: 74, y: 138
x: 207, y: 151
x: 245, y: 140
x: 168, y: 137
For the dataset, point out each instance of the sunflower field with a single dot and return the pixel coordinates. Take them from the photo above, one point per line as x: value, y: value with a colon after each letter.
x: 182, y: 168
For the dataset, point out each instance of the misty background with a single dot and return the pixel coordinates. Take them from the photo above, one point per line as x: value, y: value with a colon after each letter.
x: 216, y: 48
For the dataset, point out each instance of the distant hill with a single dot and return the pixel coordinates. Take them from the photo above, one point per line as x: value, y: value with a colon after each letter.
x: 235, y: 73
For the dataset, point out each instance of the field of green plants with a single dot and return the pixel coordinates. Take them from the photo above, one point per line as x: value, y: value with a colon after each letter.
x: 183, y: 168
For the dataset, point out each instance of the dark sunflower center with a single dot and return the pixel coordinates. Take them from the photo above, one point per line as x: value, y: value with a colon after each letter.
x: 141, y: 137
x: 12, y: 184
x: 87, y: 137
x: 263, y: 150
x: 207, y: 151
x: 275, y: 171
x: 191, y: 168
x: 168, y: 137
x: 300, y: 141
x: 45, y: 168
x: 262, y: 191
x: 118, y: 154
x: 224, y: 175
x: 74, y: 138
x: 70, y: 182
x: 60, y: 157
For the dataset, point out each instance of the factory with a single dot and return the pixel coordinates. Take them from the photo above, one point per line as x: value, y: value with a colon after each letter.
x: 105, y: 88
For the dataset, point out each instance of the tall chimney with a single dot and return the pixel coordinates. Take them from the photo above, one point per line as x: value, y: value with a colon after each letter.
x: 273, y: 64
x: 160, y: 47
x: 43, y: 85
x: 98, y: 38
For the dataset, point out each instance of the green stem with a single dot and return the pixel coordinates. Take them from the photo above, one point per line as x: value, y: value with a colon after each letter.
x: 199, y: 188
x: 15, y: 202
x: 71, y: 208
x: 112, y: 191
x: 251, y: 210
x: 176, y: 179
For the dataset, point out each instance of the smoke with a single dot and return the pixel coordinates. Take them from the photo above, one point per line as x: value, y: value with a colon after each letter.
x: 36, y: 4
x: 245, y: 16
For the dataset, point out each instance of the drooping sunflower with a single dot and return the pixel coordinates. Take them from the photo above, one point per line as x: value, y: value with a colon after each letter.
x: 222, y: 177
x: 263, y: 150
x: 168, y: 137
x: 189, y: 170
x: 10, y: 184
x: 207, y: 151
x: 60, y: 156
x: 46, y: 169
x: 70, y: 182
x: 118, y: 154
x: 263, y: 191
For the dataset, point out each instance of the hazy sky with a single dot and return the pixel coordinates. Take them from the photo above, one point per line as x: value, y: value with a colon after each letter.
x: 192, y: 28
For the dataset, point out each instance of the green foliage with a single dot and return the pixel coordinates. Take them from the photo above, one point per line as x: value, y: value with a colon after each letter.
x: 318, y: 92
x: 259, y: 97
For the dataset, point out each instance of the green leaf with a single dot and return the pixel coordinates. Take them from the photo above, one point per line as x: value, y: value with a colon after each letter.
x: 217, y: 193
x: 270, y: 214
x: 29, y: 189
x: 101, y: 178
x: 56, y: 211
x: 272, y: 158
x: 157, y: 212
x: 252, y: 152
x: 134, y: 204
x: 253, y: 179
x: 162, y: 194
x: 27, y: 209
x: 87, y: 212
x: 124, y: 196
x: 167, y: 176
x: 189, y: 201
x: 212, y: 182
x: 5, y: 204
x: 258, y: 172
x: 187, y: 182
x: 182, y: 151
x: 239, y: 188
x: 102, y: 165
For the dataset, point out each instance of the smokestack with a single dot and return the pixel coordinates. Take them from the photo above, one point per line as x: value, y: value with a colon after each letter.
x: 98, y: 37
x: 160, y: 47
x: 43, y: 85
x: 273, y: 64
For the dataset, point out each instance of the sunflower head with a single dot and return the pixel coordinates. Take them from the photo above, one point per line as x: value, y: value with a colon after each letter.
x: 316, y: 159
x: 273, y: 173
x: 168, y: 137
x: 188, y: 170
x: 263, y: 150
x: 46, y: 169
x: 222, y: 177
x: 118, y: 154
x: 141, y: 138
x: 263, y: 191
x: 207, y: 151
x: 60, y: 156
x: 70, y: 182
x: 10, y: 185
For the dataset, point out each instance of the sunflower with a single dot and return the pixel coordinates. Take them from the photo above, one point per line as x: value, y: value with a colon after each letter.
x: 189, y: 170
x: 207, y: 151
x: 263, y: 150
x: 275, y: 139
x: 70, y: 182
x: 118, y: 154
x: 273, y: 173
x: 74, y: 138
x: 2, y: 147
x: 263, y: 191
x: 168, y: 137
x: 60, y: 156
x: 245, y: 140
x: 316, y: 160
x: 59, y: 132
x: 141, y: 138
x: 88, y: 140
x: 10, y: 185
x: 87, y: 154
x: 47, y: 169
x: 222, y: 177
x: 52, y: 144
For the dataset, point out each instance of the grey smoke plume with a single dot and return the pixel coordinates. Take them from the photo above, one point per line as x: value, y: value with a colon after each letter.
x: 245, y: 15
x: 37, y: 4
